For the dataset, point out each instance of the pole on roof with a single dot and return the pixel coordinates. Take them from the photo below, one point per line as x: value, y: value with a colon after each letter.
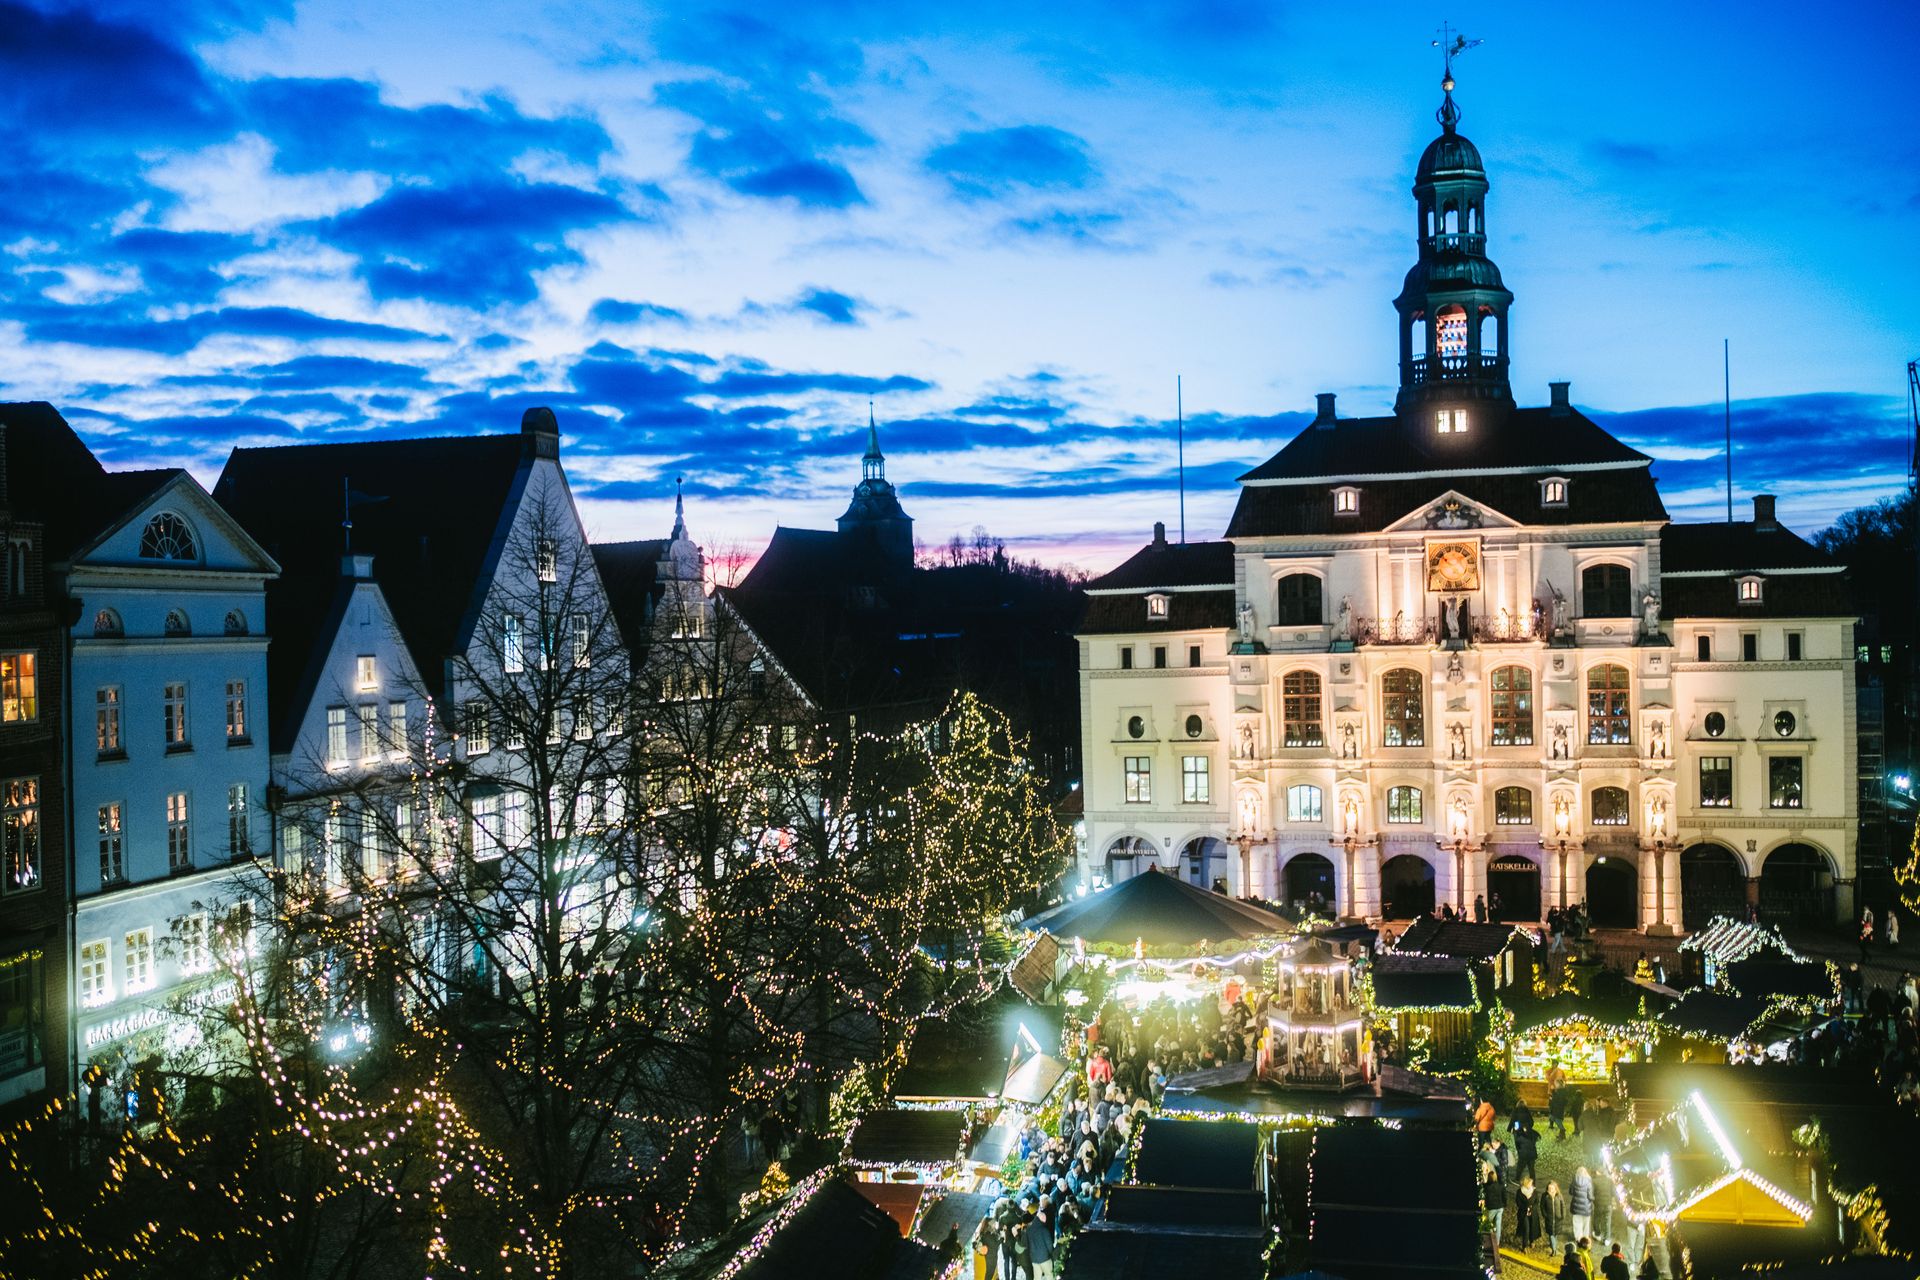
x: 346, y: 514
x: 1726, y: 392
x: 1180, y: 420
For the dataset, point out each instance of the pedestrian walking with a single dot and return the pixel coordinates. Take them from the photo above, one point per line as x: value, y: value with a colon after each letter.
x: 1040, y: 1241
x: 1570, y: 1268
x: 1526, y: 1220
x: 1613, y: 1266
x: 1553, y: 1214
x: 1893, y: 929
x: 1493, y: 1197
x: 1866, y: 936
x: 1576, y: 1103
x: 1580, y: 1205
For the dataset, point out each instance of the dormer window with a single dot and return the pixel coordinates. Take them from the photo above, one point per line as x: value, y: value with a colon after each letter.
x: 1346, y: 501
x: 1553, y: 492
x: 1156, y: 606
x: 1751, y: 589
x: 1451, y: 422
x: 167, y: 537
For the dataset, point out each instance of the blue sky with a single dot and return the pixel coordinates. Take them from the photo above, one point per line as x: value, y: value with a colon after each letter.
x: 708, y: 235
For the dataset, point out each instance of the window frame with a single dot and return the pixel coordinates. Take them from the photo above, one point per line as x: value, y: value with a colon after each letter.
x: 94, y: 977
x: 177, y: 735
x: 1718, y: 769
x: 1300, y: 606
x: 110, y: 823
x: 109, y: 735
x: 1596, y: 815
x: 22, y: 835
x: 1510, y: 721
x: 1505, y: 813
x: 1301, y: 708
x: 239, y: 821
x: 179, y: 831
x: 20, y: 686
x: 1346, y: 501
x: 1601, y: 601
x: 1403, y: 710
x: 236, y: 713
x: 1137, y: 777
x: 1794, y: 795
x: 339, y: 749
x: 1610, y: 718
x: 1196, y: 779
x: 136, y: 961
x: 1305, y: 803
x: 1406, y: 806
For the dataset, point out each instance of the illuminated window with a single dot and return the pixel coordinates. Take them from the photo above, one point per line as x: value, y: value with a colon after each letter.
x: 236, y: 711
x: 96, y: 983
x: 138, y: 967
x: 1346, y: 502
x: 1300, y: 709
x: 1716, y: 782
x: 479, y: 729
x: 1139, y: 779
x: 366, y: 672
x: 173, y: 700
x: 179, y: 841
x: 113, y: 863
x: 1156, y: 606
x: 19, y: 687
x: 512, y: 658
x: 106, y: 721
x: 1513, y: 807
x: 1451, y: 422
x: 1403, y: 713
x: 1196, y: 782
x: 1451, y: 336
x: 1608, y: 716
x: 20, y: 834
x: 369, y: 717
x: 582, y: 640
x: 486, y: 828
x: 191, y: 931
x: 1403, y: 804
x: 337, y: 736
x: 1783, y: 782
x: 107, y: 623
x: 1610, y: 807
x: 397, y: 726
x: 1553, y: 492
x: 1751, y: 589
x: 239, y: 826
x: 1303, y: 803
x: 546, y: 560
x: 1512, y: 707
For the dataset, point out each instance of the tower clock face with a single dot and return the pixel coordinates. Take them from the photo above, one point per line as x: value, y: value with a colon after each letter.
x: 1453, y: 566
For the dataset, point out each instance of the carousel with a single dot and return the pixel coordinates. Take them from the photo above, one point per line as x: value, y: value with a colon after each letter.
x: 1315, y: 1035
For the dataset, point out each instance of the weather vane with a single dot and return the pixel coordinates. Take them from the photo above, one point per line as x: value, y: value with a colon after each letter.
x: 1451, y: 44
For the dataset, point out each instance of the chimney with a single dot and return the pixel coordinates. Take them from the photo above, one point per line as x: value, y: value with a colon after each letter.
x: 540, y: 433
x: 1159, y: 533
x: 357, y: 567
x: 1325, y: 417
x: 1558, y: 405
x: 1763, y: 517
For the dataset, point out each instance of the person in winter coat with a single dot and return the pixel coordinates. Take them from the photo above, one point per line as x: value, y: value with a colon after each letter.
x: 1553, y: 1214
x: 1526, y: 1150
x: 1040, y: 1242
x: 1580, y: 1204
x: 990, y: 1242
x: 1576, y: 1104
x: 1526, y: 1226
x: 1614, y: 1266
x: 1570, y: 1268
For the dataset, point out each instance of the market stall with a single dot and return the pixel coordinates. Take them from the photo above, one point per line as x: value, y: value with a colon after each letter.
x: 1425, y: 1005
x: 1584, y: 1038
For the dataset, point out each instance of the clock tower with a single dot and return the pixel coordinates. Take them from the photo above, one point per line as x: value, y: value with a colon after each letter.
x: 1453, y: 306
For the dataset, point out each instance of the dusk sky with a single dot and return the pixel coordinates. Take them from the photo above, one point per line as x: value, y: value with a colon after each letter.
x: 708, y: 235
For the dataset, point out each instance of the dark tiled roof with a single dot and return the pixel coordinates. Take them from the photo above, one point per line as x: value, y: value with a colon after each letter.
x: 1114, y: 1252
x: 907, y: 1137
x: 1367, y: 1225
x: 818, y: 560
x: 53, y: 478
x: 1171, y: 564
x: 1421, y: 982
x: 1163, y: 910
x: 1186, y: 1208
x: 429, y: 537
x: 630, y: 572
x: 837, y: 1235
x: 1216, y: 1154
x: 1766, y: 975
x: 1701, y: 1012
x: 1430, y: 935
x: 1186, y: 611
x: 1730, y: 551
x: 1612, y: 496
x: 1535, y: 439
x: 1740, y: 546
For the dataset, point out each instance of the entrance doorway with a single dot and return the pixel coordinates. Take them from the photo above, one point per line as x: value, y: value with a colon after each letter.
x: 1406, y: 887
x: 1712, y: 883
x: 1128, y: 856
x: 1205, y: 862
x: 1796, y: 886
x: 1513, y: 888
x: 1613, y: 893
x: 1309, y: 883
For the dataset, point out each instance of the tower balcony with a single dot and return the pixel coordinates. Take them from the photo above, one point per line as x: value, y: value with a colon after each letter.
x: 1473, y: 242
x: 1461, y: 368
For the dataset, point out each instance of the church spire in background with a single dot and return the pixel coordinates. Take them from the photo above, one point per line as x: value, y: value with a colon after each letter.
x: 873, y: 463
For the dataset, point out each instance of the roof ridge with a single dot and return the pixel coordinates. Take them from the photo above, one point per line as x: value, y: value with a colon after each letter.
x: 467, y: 437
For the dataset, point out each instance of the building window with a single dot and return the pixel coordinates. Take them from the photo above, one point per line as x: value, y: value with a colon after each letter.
x: 1303, y: 803
x: 1300, y: 709
x: 20, y: 833
x: 96, y: 983
x: 1346, y: 502
x: 1863, y: 653
x: 1783, y: 782
x: 336, y: 737
x: 173, y: 698
x: 1403, y: 711
x: 1716, y: 782
x: 191, y: 931
x: 1703, y: 648
x: 403, y: 837
x: 512, y: 655
x: 1606, y: 591
x: 1159, y: 657
x: 1126, y: 657
x: 397, y: 726
x: 1451, y: 422
x: 1794, y: 643
x: 1608, y: 714
x: 167, y: 537
x: 1139, y: 777
x: 1512, y: 707
x: 113, y: 862
x: 1715, y: 724
x: 239, y: 827
x: 582, y: 640
x: 369, y: 717
x: 1751, y: 590
x: 19, y: 558
x: 1403, y: 804
x: 486, y: 828
x: 1195, y: 726
x: 1513, y: 807
x: 1553, y: 492
x: 138, y: 961
x: 179, y: 842
x: 1749, y: 646
x: 1193, y: 655
x: 1156, y: 606
x: 106, y: 721
x: 177, y: 623
x: 236, y: 712
x: 1196, y: 783
x: 1297, y: 601
x: 1610, y: 807
x: 366, y: 673
x: 107, y: 623
x: 546, y: 560
x: 1784, y: 723
x: 236, y: 624
x: 19, y: 687
x: 479, y: 729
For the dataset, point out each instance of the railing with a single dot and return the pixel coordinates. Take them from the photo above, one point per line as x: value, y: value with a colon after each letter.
x: 1512, y: 626
x: 1458, y: 242
x: 1399, y: 629
x: 1320, y: 1077
x: 1448, y: 368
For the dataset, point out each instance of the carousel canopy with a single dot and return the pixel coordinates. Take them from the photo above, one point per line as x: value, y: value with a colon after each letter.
x: 1159, y: 910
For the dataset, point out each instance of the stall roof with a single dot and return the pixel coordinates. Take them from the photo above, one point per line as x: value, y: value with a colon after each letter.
x: 1161, y: 911
x: 1713, y: 1014
x: 906, y: 1137
x: 1369, y: 1225
x: 1407, y: 981
x: 1430, y: 935
x: 1108, y: 1251
x: 835, y: 1234
x: 1034, y: 1080
x: 1612, y: 1011
x: 1221, y: 1154
x: 1194, y: 1208
x: 1766, y: 974
x: 1726, y: 940
x: 1698, y: 1163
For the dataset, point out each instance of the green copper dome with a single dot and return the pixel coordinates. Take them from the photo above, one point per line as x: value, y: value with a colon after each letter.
x: 1450, y: 157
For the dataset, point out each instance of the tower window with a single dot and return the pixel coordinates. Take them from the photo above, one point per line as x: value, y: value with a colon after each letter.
x: 1451, y: 422
x: 1451, y: 339
x: 1553, y: 492
x: 1346, y: 502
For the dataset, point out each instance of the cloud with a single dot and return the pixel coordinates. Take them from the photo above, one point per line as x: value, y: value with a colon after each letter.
x: 987, y: 163
x: 475, y: 244
x: 80, y: 75
x: 831, y: 305
x: 1086, y: 228
x: 617, y: 311
x: 338, y: 371
x: 114, y: 327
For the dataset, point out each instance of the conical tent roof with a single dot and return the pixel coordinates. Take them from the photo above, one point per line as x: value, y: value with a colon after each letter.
x: 1159, y: 910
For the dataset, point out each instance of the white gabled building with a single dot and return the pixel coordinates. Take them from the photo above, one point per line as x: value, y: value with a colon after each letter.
x: 1459, y: 652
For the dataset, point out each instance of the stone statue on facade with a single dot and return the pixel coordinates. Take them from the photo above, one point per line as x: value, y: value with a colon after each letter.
x: 1559, y: 612
x: 1539, y: 617
x: 1249, y: 811
x: 1456, y: 742
x: 1558, y: 751
x: 1246, y: 741
x: 1343, y: 625
x: 1246, y: 621
x: 1650, y: 615
x: 1456, y: 673
x: 1657, y: 740
x: 1657, y: 818
x: 1349, y: 745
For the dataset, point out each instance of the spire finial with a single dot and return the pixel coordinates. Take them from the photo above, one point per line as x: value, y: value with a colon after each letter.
x: 1451, y: 45
x: 679, y: 512
x: 873, y: 464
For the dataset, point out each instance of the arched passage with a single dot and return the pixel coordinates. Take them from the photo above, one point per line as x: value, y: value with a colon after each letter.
x: 1204, y: 861
x: 1613, y: 893
x: 1513, y: 888
x: 1309, y: 882
x: 1796, y: 886
x: 1406, y: 887
x: 1128, y: 856
x: 1713, y: 882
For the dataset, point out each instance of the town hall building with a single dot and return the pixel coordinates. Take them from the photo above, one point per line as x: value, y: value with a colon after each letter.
x: 1460, y: 652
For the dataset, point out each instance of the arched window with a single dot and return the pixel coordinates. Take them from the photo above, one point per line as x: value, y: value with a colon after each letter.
x: 1417, y: 336
x: 1300, y: 709
x: 107, y: 623
x: 1403, y: 804
x: 1610, y: 807
x: 1513, y: 807
x: 1606, y: 591
x: 1402, y: 709
x: 1489, y: 334
x: 177, y: 624
x: 1297, y: 601
x: 1451, y: 337
x: 1609, y: 720
x: 236, y: 623
x: 1512, y: 707
x: 1303, y: 803
x: 167, y: 537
